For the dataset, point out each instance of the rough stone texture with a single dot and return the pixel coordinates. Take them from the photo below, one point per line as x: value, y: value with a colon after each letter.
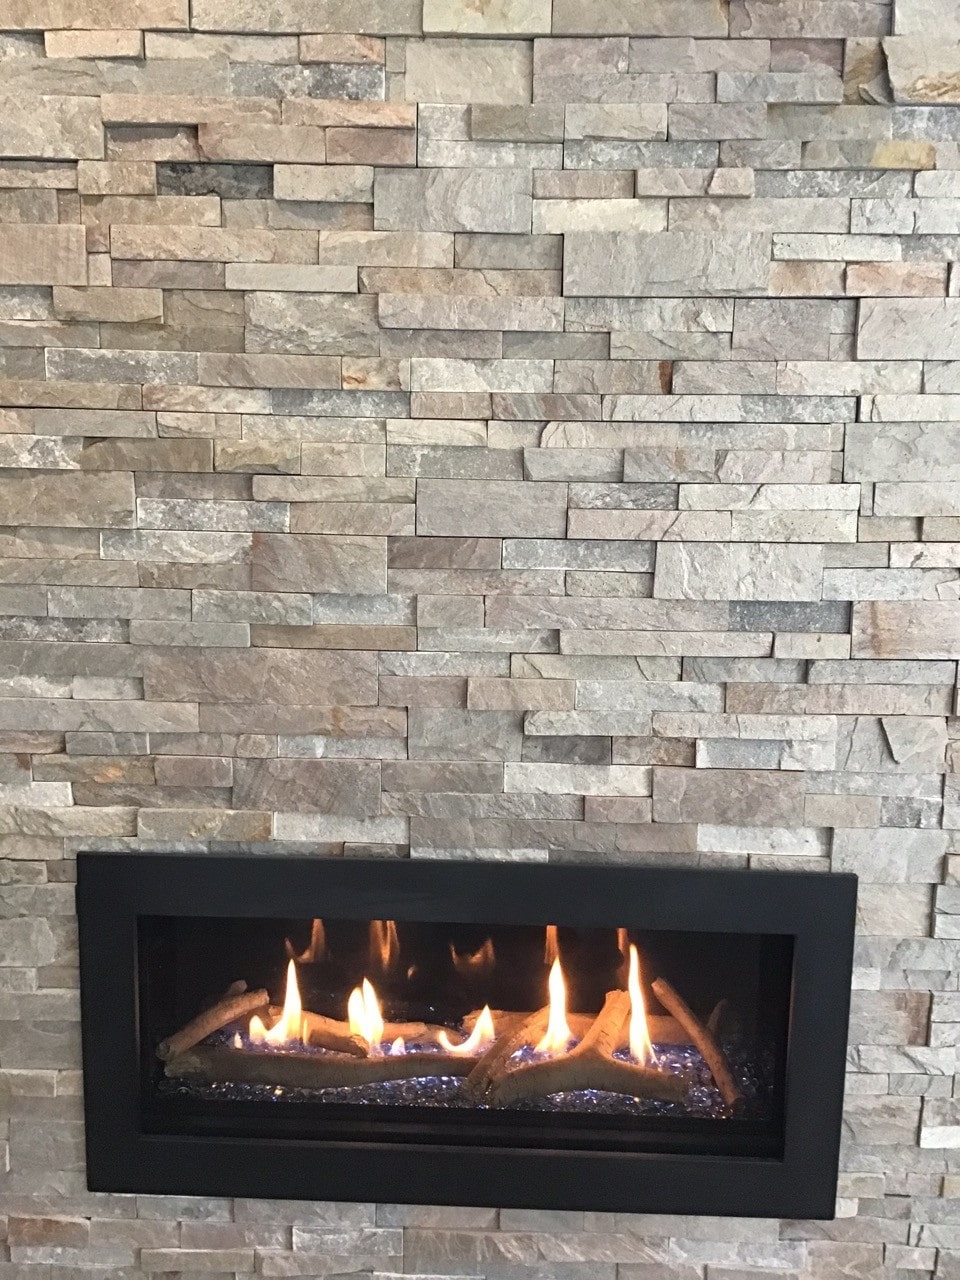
x: 923, y: 69
x: 484, y: 428
x: 669, y: 264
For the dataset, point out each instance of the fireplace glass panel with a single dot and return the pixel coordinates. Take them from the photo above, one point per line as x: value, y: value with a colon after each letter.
x: 617, y: 1038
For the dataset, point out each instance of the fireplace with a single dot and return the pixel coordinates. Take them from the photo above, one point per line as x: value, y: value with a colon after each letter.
x: 593, y: 1037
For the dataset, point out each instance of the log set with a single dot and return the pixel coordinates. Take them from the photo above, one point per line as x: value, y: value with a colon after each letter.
x: 236, y: 1002
x: 490, y: 1079
x: 292, y: 1070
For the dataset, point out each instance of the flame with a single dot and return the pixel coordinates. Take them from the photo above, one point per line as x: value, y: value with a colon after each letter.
x: 315, y: 949
x: 558, y: 1034
x: 640, y: 1046
x: 257, y: 1031
x: 480, y: 1038
x: 384, y: 945
x: 290, y: 1024
x: 237, y: 1040
x: 551, y: 946
x: 365, y: 1018
x: 622, y: 942
x: 398, y: 1046
x: 473, y: 963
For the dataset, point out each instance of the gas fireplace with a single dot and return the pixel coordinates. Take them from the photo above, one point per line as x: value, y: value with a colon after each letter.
x: 581, y: 1037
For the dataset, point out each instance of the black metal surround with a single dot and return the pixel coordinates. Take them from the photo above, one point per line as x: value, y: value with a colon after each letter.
x: 122, y: 1156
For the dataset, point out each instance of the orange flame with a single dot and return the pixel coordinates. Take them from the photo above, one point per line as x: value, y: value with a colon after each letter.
x: 551, y: 945
x: 558, y: 1034
x: 384, y: 945
x: 365, y: 1018
x: 289, y: 1026
x: 473, y: 963
x: 479, y: 1039
x: 315, y: 949
x: 640, y: 1046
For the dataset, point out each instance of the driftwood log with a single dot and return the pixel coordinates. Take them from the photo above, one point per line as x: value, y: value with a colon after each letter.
x: 702, y: 1037
x: 589, y: 1065
x: 310, y: 1071
x: 494, y: 1061
x: 235, y: 1003
x: 329, y: 1034
x: 664, y: 1029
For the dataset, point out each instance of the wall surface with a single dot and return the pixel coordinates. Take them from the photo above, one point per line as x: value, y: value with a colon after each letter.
x: 484, y: 428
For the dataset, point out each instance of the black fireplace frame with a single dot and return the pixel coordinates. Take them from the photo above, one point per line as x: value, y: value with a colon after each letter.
x: 816, y: 910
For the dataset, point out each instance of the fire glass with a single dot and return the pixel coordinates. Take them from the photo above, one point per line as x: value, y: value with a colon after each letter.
x: 618, y: 1038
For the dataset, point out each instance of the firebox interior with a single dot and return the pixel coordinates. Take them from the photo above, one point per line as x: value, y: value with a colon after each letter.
x: 430, y: 981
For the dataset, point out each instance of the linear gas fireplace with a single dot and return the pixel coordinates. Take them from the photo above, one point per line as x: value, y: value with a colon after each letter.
x: 576, y: 1037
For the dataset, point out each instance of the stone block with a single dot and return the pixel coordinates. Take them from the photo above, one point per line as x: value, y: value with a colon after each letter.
x: 358, y: 17
x: 42, y: 255
x: 61, y: 128
x: 898, y: 451
x: 615, y: 120
x: 94, y: 15
x: 308, y: 786
x: 342, y: 184
x: 639, y: 18
x: 307, y: 562
x: 69, y: 499
x: 922, y: 17
x: 283, y: 677
x: 238, y: 140
x: 923, y: 68
x: 745, y: 571
x: 371, y: 147
x: 733, y: 797
x: 670, y: 264
x: 498, y: 71
x: 438, y: 311
x: 909, y: 328
x: 491, y: 508
x: 452, y: 200
x: 895, y: 629
x: 496, y: 18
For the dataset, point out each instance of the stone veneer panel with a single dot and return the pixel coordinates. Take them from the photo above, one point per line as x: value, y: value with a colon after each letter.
x: 548, y: 413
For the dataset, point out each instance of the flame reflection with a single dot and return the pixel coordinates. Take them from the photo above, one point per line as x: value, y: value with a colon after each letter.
x: 384, y: 945
x: 473, y: 964
x: 316, y: 948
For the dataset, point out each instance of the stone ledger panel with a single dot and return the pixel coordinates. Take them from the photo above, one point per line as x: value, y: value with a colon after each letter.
x: 511, y: 429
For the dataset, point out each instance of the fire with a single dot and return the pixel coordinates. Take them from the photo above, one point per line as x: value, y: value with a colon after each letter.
x: 479, y: 1039
x: 316, y: 948
x: 551, y: 946
x: 473, y: 963
x: 384, y: 944
x: 558, y: 1034
x: 640, y: 1046
x: 365, y: 1018
x: 289, y: 1026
